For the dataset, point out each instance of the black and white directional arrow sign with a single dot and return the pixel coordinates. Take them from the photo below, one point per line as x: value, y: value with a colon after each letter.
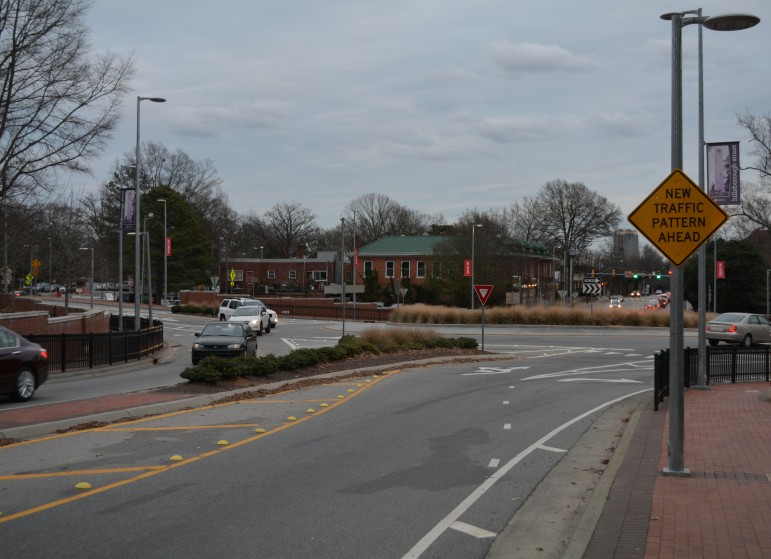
x: 592, y: 286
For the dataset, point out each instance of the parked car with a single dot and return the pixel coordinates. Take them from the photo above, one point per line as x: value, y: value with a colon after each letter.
x: 254, y: 315
x: 230, y: 339
x: 739, y: 328
x: 23, y: 366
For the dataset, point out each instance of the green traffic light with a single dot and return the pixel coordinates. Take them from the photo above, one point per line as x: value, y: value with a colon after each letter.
x: 635, y: 276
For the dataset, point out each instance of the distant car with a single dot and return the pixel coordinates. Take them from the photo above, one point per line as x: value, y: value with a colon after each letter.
x: 20, y: 293
x: 738, y: 328
x: 23, y: 366
x: 652, y: 304
x: 229, y: 339
x: 615, y: 301
x: 635, y: 293
x: 173, y: 301
x: 255, y: 315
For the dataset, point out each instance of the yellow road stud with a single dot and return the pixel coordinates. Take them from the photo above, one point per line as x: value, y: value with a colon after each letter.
x: 291, y: 418
x: 175, y: 458
x: 83, y: 485
x: 310, y: 410
x: 259, y: 430
x: 223, y: 442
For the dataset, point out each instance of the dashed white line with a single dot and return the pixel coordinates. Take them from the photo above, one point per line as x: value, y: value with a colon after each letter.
x: 507, y: 425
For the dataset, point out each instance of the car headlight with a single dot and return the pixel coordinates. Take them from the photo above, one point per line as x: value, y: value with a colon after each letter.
x: 236, y: 346
x: 197, y: 346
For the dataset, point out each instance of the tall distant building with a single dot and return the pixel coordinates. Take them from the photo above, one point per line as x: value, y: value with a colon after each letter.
x: 626, y: 245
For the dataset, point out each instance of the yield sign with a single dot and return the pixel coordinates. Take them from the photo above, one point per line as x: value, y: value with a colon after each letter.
x: 678, y: 217
x: 483, y: 292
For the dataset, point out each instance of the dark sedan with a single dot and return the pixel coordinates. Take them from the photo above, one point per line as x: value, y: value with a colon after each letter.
x: 23, y: 366
x: 224, y: 339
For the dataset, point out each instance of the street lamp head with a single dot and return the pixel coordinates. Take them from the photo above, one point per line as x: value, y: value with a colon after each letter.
x: 161, y: 200
x: 153, y: 99
x: 731, y: 22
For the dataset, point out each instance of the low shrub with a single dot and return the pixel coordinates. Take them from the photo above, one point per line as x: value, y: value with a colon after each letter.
x: 374, y: 341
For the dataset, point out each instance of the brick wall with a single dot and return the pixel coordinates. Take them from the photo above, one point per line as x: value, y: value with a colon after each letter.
x: 28, y: 316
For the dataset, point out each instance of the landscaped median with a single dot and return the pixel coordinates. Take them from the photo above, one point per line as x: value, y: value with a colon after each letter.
x: 371, y: 343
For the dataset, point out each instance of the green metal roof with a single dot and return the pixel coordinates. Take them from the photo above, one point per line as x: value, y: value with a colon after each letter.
x: 403, y: 245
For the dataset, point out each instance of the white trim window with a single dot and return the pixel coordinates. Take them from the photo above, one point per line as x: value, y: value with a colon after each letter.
x: 389, y: 269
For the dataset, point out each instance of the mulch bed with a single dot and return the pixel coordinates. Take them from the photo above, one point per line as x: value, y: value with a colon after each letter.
x: 372, y: 364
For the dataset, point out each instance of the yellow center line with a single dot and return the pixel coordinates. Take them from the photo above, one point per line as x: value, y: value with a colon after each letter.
x: 175, y: 428
x: 162, y: 469
x: 83, y: 472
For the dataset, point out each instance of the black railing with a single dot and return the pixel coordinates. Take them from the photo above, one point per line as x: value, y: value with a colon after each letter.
x: 724, y: 364
x: 86, y: 351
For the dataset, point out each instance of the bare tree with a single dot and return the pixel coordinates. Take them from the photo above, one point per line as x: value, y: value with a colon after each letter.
x: 759, y: 128
x: 573, y: 216
x: 754, y: 211
x: 288, y: 225
x: 525, y: 220
x: 376, y: 215
x: 57, y: 106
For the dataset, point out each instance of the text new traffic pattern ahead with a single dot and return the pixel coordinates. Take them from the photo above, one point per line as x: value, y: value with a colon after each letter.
x: 678, y: 217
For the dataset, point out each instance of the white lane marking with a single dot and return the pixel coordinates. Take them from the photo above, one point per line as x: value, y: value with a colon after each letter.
x: 612, y: 368
x: 505, y: 402
x: 472, y: 530
x: 290, y: 343
x: 494, y: 462
x: 551, y: 448
x: 319, y: 341
x: 433, y: 534
x: 493, y: 371
x: 507, y: 425
x: 612, y: 380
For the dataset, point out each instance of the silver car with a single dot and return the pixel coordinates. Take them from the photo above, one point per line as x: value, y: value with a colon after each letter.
x: 739, y: 328
x: 255, y: 315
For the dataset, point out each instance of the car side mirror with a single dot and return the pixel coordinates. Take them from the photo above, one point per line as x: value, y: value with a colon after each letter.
x: 197, y: 334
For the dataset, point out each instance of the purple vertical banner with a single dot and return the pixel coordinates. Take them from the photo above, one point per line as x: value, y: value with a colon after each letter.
x: 127, y: 209
x: 723, y: 180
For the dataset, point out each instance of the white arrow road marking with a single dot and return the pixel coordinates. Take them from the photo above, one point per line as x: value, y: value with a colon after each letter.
x: 507, y: 425
x: 617, y: 380
x: 471, y: 530
x: 614, y: 368
x: 297, y: 343
x: 493, y: 371
x: 494, y: 462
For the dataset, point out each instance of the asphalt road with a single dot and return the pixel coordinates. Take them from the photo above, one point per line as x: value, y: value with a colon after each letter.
x: 429, y: 462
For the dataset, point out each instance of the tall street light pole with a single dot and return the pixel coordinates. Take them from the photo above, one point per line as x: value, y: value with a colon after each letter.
x: 137, y: 221
x: 165, y: 255
x: 473, y: 243
x: 91, y: 287
x: 731, y: 22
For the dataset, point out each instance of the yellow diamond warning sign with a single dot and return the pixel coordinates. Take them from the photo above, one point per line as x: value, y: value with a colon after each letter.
x: 678, y: 217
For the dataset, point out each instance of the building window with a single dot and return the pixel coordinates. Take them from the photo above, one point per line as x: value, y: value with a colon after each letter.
x: 293, y: 274
x: 367, y: 268
x: 271, y: 274
x: 436, y: 269
x: 421, y: 273
x: 239, y: 275
x: 405, y: 268
x: 389, y: 271
x: 319, y: 275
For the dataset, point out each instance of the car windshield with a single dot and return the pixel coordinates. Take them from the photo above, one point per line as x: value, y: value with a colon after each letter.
x: 223, y: 329
x: 728, y: 317
x: 246, y: 311
x: 252, y: 303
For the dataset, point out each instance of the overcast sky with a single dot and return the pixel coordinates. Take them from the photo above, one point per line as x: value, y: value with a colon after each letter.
x: 440, y: 105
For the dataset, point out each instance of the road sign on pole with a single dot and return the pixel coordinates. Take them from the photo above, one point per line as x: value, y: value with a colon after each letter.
x: 483, y: 292
x: 678, y: 217
x: 592, y: 286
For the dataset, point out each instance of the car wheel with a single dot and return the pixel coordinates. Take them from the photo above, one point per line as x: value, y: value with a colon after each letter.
x: 24, y: 388
x: 261, y: 330
x: 223, y: 318
x: 747, y: 341
x: 267, y: 330
x: 713, y: 343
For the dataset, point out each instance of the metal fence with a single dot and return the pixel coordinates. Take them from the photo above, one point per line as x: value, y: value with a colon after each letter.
x: 81, y: 351
x: 724, y: 364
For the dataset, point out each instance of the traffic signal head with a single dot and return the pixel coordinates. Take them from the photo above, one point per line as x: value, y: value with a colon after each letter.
x: 636, y: 275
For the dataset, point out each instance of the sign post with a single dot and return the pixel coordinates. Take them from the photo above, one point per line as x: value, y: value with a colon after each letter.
x: 592, y: 286
x: 483, y: 293
x: 677, y: 218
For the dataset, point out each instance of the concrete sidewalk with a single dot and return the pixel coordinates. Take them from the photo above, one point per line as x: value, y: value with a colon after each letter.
x: 723, y: 509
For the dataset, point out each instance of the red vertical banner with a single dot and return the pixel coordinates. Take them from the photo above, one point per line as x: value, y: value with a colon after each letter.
x: 168, y: 246
x: 467, y: 268
x: 720, y: 269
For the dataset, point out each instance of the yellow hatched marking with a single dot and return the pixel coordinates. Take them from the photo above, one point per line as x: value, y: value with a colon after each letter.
x: 83, y: 472
x: 162, y: 469
x: 176, y: 428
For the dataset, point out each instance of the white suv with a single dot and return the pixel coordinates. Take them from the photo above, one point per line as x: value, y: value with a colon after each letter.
x: 227, y: 306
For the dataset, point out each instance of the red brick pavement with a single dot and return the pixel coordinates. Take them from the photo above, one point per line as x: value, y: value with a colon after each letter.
x: 723, y: 509
x: 20, y: 417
